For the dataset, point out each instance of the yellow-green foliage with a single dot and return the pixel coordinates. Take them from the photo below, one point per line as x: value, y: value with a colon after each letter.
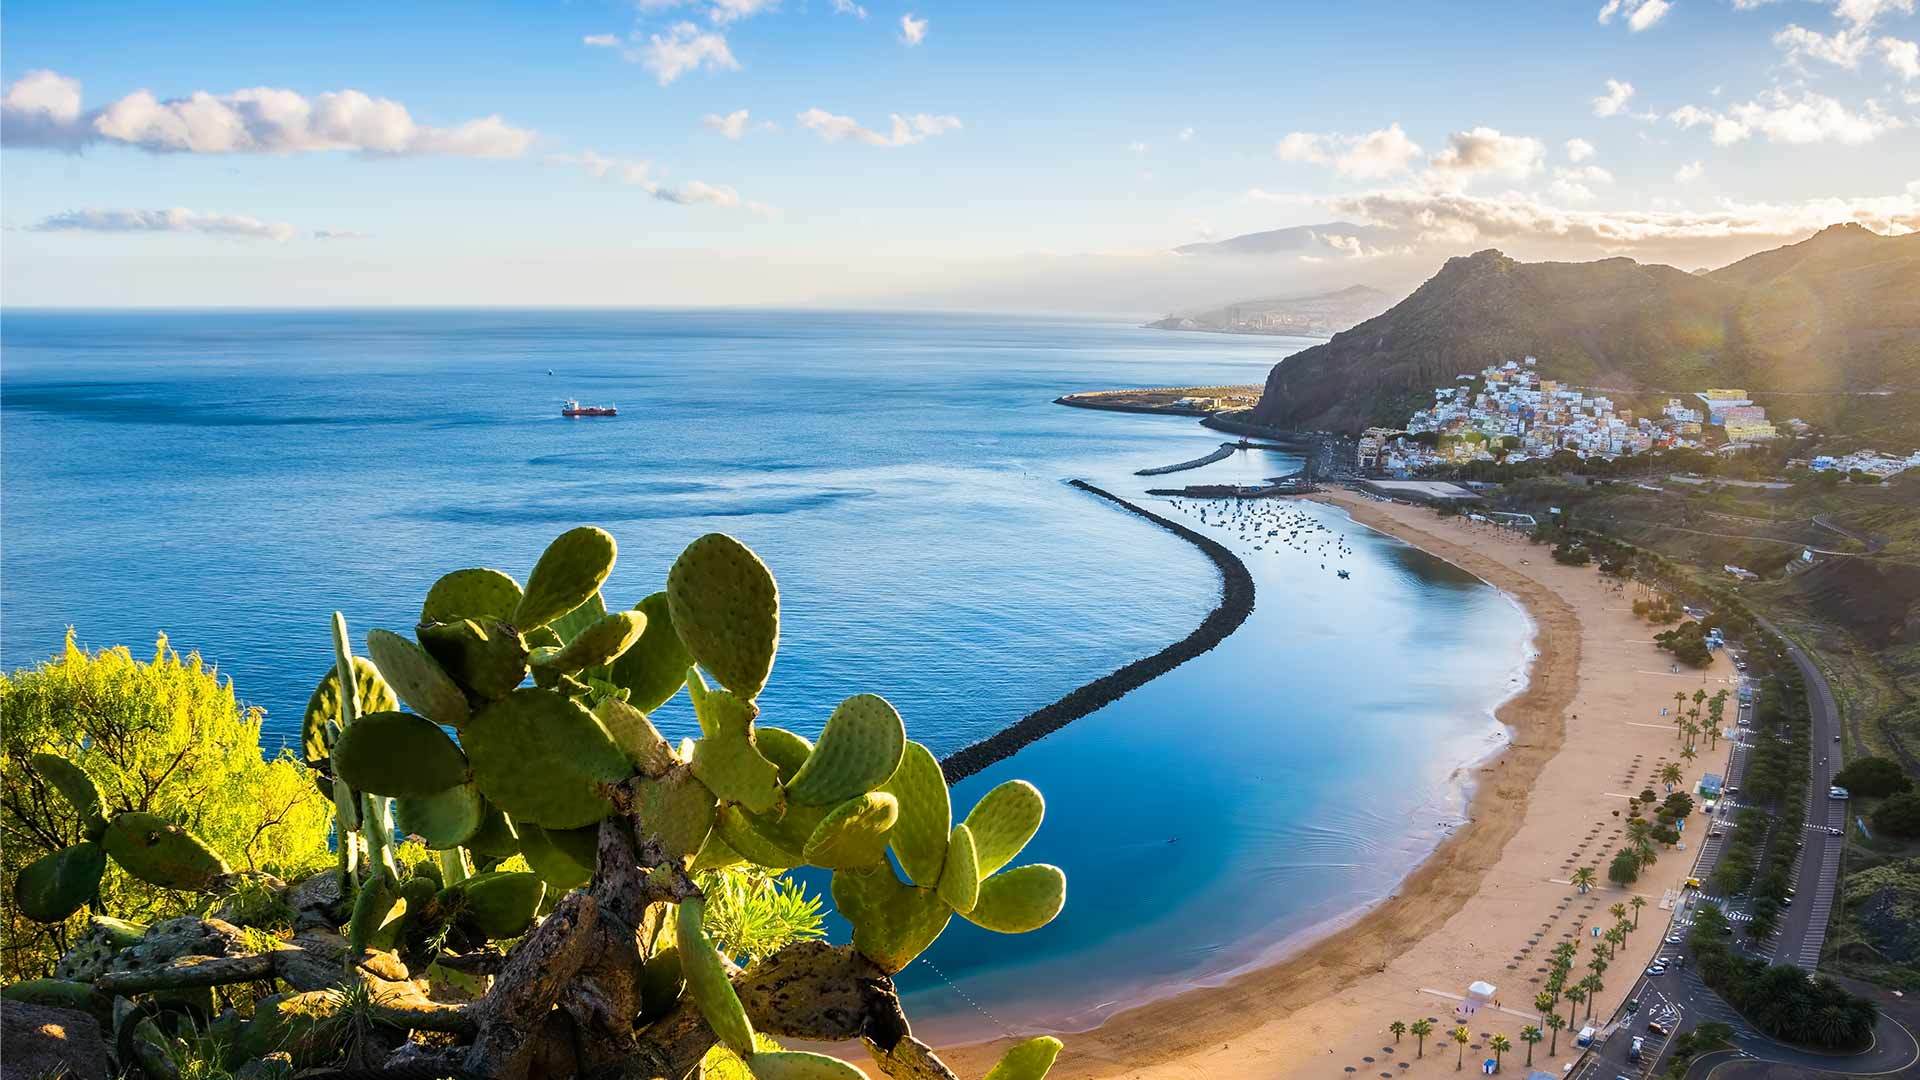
x: 165, y: 737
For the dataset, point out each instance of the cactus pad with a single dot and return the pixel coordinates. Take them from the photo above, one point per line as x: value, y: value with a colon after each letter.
x: 161, y: 853
x: 919, y: 838
x: 398, y: 753
x: 645, y: 747
x: 859, y: 750
x: 568, y: 626
x: 726, y: 610
x: 893, y: 922
x: 495, y: 839
x: 487, y: 659
x: 960, y: 878
x: 560, y: 870
x: 417, y: 678
x: 853, y: 834
x: 58, y: 884
x: 1030, y: 1060
x: 74, y: 784
x: 320, y: 725
x: 726, y: 759
x: 544, y: 759
x: 569, y: 571
x: 707, y: 981
x: 656, y: 666
x: 715, y: 853
x: 786, y: 750
x: 600, y: 642
x: 501, y: 904
x: 801, y: 1065
x: 1022, y: 899
x: 371, y: 907
x: 677, y: 809
x: 1003, y: 821
x: 748, y: 837
x: 476, y: 593
x: 445, y: 819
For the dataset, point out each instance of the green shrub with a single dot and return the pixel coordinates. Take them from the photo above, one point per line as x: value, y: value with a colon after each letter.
x: 166, y: 737
x: 1899, y: 816
x: 1874, y: 777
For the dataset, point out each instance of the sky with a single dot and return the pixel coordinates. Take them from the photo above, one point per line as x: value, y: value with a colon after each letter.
x: 985, y: 155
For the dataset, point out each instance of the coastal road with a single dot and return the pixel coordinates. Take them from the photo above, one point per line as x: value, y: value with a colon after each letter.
x: 1803, y: 926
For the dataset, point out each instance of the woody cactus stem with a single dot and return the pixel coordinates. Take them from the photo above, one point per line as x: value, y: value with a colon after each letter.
x: 344, y: 803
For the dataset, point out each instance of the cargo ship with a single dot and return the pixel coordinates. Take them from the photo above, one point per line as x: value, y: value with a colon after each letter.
x: 574, y: 408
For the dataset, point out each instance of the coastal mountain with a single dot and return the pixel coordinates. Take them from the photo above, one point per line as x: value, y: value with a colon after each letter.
x: 1294, y: 240
x: 1835, y: 318
x: 1321, y: 315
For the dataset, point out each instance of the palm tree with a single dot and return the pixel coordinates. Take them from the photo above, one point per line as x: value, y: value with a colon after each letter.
x: 1583, y: 879
x: 1500, y: 1044
x: 1670, y: 774
x: 1460, y: 1037
x: 1544, y: 1003
x: 1554, y: 1024
x: 1637, y: 830
x: 1576, y: 994
x: 1689, y: 753
x: 1421, y: 1029
x: 1592, y: 985
x: 1637, y: 903
x: 1618, y: 911
x: 1399, y: 1028
x: 1531, y: 1036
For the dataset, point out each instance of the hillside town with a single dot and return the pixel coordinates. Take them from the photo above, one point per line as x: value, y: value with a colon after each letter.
x: 1510, y: 412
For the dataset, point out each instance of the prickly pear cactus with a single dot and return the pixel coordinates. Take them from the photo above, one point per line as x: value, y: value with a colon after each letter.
x: 543, y: 758
x: 569, y: 571
x: 161, y: 853
x: 398, y: 753
x: 417, y: 678
x: 320, y: 724
x: 857, y: 752
x: 476, y: 593
x: 655, y: 667
x: 55, y: 886
x: 726, y: 609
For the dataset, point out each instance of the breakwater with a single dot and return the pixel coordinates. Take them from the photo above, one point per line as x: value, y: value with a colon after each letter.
x: 1226, y: 451
x: 1236, y: 603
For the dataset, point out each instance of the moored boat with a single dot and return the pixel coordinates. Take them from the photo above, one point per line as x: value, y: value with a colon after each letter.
x: 574, y: 408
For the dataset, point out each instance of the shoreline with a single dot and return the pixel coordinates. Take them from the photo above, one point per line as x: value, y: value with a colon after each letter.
x: 1235, y: 604
x: 1323, y: 962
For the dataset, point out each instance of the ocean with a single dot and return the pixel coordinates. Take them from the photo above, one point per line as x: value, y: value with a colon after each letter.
x: 232, y: 478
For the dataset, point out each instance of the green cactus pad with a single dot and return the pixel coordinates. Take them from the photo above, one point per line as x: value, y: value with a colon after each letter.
x: 417, y: 678
x: 542, y: 637
x: 501, y: 904
x: 647, y: 749
x: 58, y: 993
x: 555, y: 866
x: 477, y: 593
x: 919, y: 838
x: 1003, y: 821
x: 74, y: 784
x: 58, y: 884
x: 654, y: 669
x: 853, y: 834
x: 487, y: 659
x: 707, y: 981
x: 676, y: 808
x: 725, y: 758
x: 1030, y: 1060
x: 800, y: 1065
x: 893, y: 922
x: 1022, y: 899
x: 544, y: 759
x: 495, y: 839
x: 161, y: 853
x: 569, y: 571
x: 726, y: 610
x: 743, y: 832
x: 661, y: 984
x: 582, y: 845
x: 371, y: 907
x: 445, y: 819
x: 716, y: 853
x: 320, y: 725
x: 859, y: 750
x: 960, y: 878
x: 787, y: 751
x: 398, y: 753
x: 601, y: 642
x: 568, y: 627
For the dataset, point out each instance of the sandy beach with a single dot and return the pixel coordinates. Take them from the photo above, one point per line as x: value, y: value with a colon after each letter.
x: 1494, y: 898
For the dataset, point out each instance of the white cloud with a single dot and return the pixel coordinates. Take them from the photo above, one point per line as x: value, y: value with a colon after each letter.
x: 1579, y: 150
x: 1844, y: 48
x: 602, y: 41
x: 1902, y: 56
x: 1352, y: 247
x: 1186, y: 134
x: 1614, y: 100
x: 912, y: 31
x: 1372, y: 156
x: 1688, y: 173
x: 176, y: 220
x: 848, y: 7
x: 1639, y: 14
x: 733, y: 125
x: 1574, y: 184
x: 1456, y: 218
x: 906, y: 130
x: 640, y: 174
x: 722, y: 12
x: 1782, y: 118
x: 683, y: 48
x: 340, y: 234
x: 1484, y: 151
x: 43, y: 109
x: 1863, y: 12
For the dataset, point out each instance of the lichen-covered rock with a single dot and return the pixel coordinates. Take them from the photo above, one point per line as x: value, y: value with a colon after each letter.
x: 37, y: 1040
x: 95, y: 949
x: 184, y: 936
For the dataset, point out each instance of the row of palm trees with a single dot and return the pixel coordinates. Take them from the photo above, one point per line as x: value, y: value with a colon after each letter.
x: 1689, y: 726
x: 1499, y: 1044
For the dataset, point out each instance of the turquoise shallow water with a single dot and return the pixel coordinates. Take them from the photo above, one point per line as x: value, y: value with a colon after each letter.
x: 231, y: 478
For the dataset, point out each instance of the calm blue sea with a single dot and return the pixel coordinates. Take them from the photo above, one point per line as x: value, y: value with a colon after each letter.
x: 231, y: 478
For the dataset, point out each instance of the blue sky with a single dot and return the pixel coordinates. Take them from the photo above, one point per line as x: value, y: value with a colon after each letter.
x: 562, y: 152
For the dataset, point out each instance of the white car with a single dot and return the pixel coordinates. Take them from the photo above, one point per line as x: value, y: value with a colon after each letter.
x: 1673, y: 939
x: 1656, y: 970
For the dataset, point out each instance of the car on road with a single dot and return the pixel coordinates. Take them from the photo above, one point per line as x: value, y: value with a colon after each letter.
x: 1832, y: 831
x: 1656, y: 970
x: 1715, y: 833
x: 1674, y: 939
x: 1633, y: 1006
x: 1657, y: 1027
x: 1837, y: 792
